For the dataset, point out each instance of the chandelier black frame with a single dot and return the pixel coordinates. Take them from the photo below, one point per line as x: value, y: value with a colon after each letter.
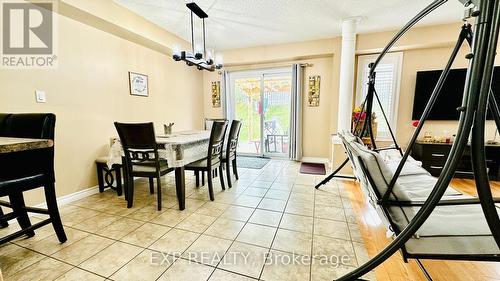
x: 196, y: 58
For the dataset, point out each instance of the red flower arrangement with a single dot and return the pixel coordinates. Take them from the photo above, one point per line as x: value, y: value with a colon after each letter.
x: 415, y: 123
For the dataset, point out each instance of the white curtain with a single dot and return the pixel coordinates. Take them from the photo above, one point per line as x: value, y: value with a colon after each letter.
x: 296, y: 113
x: 228, y: 104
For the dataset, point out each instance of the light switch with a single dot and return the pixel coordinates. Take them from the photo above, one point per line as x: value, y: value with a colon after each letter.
x: 40, y: 96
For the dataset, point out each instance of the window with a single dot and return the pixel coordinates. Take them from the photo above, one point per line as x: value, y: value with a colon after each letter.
x: 387, y: 82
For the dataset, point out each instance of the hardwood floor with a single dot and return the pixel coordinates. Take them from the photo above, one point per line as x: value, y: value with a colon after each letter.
x: 394, y: 269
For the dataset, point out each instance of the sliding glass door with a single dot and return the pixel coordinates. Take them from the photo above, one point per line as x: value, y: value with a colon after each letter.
x: 261, y: 100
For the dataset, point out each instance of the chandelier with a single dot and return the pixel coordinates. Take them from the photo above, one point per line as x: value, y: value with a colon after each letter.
x: 202, y: 59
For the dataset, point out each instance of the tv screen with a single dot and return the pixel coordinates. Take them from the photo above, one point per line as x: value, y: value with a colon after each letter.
x: 451, y: 95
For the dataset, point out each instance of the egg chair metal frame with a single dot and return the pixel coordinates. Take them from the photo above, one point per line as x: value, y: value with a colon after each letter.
x: 477, y: 99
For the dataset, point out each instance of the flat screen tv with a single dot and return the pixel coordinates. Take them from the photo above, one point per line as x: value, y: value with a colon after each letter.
x: 451, y: 95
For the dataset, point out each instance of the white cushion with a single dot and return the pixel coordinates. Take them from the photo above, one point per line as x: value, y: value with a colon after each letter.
x: 448, y: 231
x: 149, y: 169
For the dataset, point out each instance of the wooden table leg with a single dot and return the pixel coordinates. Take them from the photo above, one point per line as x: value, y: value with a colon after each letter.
x: 180, y: 186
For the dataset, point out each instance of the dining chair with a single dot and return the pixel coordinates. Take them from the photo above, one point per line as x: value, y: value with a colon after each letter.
x: 141, y: 158
x: 229, y: 153
x: 214, y: 157
x: 27, y: 170
x: 210, y: 121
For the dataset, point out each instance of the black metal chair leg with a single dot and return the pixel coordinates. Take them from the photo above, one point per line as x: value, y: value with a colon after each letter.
x: 100, y: 177
x: 18, y: 206
x: 202, y: 178
x: 119, y: 188
x: 158, y: 181
x: 3, y: 223
x: 228, y: 173
x: 235, y: 169
x: 210, y: 186
x: 151, y: 186
x: 197, y: 176
x: 221, y: 176
x: 130, y: 192
x: 50, y: 198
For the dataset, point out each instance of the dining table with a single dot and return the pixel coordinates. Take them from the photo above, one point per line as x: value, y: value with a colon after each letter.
x: 178, y: 149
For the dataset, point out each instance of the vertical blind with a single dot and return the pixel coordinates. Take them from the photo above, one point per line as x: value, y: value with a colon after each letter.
x: 387, y: 77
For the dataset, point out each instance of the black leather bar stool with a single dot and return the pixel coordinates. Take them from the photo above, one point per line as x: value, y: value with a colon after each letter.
x: 27, y: 170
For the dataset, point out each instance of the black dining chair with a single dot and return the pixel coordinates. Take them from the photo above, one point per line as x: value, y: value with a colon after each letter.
x: 26, y: 170
x: 214, y: 157
x: 229, y: 153
x: 141, y: 158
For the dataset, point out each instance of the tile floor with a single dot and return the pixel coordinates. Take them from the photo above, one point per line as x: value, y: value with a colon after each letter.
x: 272, y: 225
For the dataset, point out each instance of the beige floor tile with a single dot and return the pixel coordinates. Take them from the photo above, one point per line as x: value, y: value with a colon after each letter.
x: 330, y: 213
x: 277, y: 194
x: 208, y: 250
x: 328, y: 270
x: 224, y: 228
x: 147, y: 213
x: 183, y: 270
x: 298, y: 208
x: 328, y: 200
x: 111, y: 259
x: 148, y: 265
x: 196, y: 223
x: 280, y: 264
x: 255, y: 191
x: 222, y: 275
x: 297, y: 223
x: 361, y: 253
x: 330, y: 228
x: 51, y: 244
x: 77, y: 216
x: 40, y: 234
x: 212, y: 209
x: 247, y: 201
x: 261, y: 184
x: 120, y: 228
x: 293, y: 242
x: 259, y: 235
x: 282, y: 184
x: 77, y: 274
x: 193, y: 204
x: 174, y: 242
x: 272, y: 205
x: 83, y: 249
x: 145, y: 235
x: 355, y: 233
x: 237, y: 213
x: 46, y: 269
x: 14, y: 258
x: 303, y: 189
x: 244, y: 259
x: 301, y: 197
x: 97, y: 223
x: 265, y: 217
x: 171, y: 217
x: 331, y: 247
x: 227, y: 197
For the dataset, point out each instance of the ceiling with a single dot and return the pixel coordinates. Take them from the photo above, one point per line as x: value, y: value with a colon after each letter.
x: 245, y: 23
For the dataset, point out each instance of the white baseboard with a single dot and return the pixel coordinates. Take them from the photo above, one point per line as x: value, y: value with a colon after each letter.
x: 66, y: 199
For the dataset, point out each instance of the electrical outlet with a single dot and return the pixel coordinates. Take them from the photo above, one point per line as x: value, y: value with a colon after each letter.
x: 40, y: 96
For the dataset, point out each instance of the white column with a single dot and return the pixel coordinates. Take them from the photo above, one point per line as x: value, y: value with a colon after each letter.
x: 347, y: 73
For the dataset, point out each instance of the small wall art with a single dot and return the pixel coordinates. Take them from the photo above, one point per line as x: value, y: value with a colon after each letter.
x: 138, y: 84
x: 216, y: 94
x: 313, y: 90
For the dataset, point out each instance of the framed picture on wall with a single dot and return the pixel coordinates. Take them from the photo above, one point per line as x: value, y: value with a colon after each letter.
x: 138, y: 84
